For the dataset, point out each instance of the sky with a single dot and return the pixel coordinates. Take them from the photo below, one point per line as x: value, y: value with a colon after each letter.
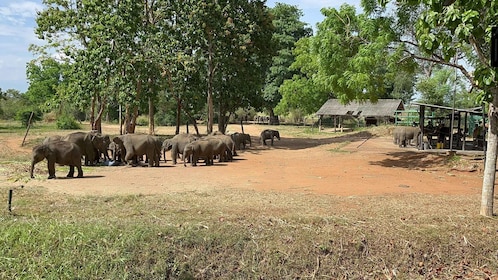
x: 17, y: 24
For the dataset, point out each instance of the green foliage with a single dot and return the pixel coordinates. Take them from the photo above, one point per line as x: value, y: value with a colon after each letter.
x: 67, y: 122
x: 288, y: 30
x: 143, y: 120
x: 146, y: 49
x: 27, y: 115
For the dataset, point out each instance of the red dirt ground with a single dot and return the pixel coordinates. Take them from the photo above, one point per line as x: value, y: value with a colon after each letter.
x: 348, y: 165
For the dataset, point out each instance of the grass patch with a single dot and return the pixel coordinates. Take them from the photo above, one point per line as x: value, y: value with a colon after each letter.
x: 234, y: 234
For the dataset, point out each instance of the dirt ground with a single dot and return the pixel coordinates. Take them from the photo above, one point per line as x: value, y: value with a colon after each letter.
x: 347, y: 165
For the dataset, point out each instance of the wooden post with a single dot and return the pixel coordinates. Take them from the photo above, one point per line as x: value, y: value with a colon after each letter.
x: 241, y: 126
x: 27, y: 129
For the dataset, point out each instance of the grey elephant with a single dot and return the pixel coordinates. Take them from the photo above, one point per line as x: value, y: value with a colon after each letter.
x: 116, y: 152
x: 52, y: 139
x: 269, y: 134
x: 220, y: 149
x: 137, y: 145
x: 88, y: 143
x: 177, y: 145
x: 61, y: 152
x: 231, y: 147
x: 403, y: 135
x: 198, y: 149
x: 101, y: 144
x: 241, y: 140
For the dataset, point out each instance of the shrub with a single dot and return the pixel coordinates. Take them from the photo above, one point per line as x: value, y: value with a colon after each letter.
x: 24, y: 116
x: 67, y: 122
x: 142, y: 120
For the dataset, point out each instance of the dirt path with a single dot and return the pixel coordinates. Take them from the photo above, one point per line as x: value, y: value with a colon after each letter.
x: 348, y: 165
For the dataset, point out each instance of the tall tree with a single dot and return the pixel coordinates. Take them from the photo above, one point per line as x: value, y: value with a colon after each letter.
x: 288, y: 30
x: 232, y: 44
x: 349, y: 58
x: 45, y: 75
x: 457, y: 29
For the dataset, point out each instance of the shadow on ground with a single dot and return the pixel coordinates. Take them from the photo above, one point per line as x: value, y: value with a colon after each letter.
x: 290, y: 143
x: 413, y: 160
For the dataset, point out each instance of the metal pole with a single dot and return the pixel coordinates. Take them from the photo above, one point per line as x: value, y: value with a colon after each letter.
x: 10, y: 200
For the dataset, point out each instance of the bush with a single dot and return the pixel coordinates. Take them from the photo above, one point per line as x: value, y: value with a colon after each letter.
x: 142, y: 120
x: 67, y: 122
x: 24, y: 116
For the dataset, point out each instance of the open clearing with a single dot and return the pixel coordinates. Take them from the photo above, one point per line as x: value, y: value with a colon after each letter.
x: 315, y: 205
x: 359, y: 163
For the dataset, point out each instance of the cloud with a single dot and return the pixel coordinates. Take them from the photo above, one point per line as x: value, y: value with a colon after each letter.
x: 17, y: 12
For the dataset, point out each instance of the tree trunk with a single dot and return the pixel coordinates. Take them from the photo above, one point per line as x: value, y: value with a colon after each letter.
x: 178, y: 115
x: 151, y: 117
x: 488, y: 182
x: 211, y: 70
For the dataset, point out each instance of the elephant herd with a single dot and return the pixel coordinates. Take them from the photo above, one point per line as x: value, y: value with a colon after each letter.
x: 130, y: 149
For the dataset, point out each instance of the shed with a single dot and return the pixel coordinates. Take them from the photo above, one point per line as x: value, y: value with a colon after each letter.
x: 382, y: 110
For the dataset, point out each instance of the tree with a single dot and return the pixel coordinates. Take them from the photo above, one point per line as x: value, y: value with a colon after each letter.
x: 349, y: 58
x: 231, y: 41
x: 44, y: 76
x: 288, y: 30
x: 457, y: 34
x: 130, y: 51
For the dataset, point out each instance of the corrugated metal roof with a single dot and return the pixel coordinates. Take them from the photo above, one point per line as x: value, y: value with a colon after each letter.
x: 383, y: 108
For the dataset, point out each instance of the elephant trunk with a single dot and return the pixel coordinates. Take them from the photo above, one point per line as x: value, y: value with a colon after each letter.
x: 32, y: 168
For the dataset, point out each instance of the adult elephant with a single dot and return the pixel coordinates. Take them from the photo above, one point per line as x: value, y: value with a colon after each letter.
x: 220, y: 148
x: 88, y: 142
x: 61, y: 152
x: 52, y: 138
x: 137, y: 145
x: 269, y: 134
x: 177, y: 145
x: 231, y: 147
x: 403, y: 135
x: 198, y: 149
x: 241, y: 140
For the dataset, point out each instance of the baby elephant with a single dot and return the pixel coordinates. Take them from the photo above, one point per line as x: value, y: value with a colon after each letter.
x: 61, y: 152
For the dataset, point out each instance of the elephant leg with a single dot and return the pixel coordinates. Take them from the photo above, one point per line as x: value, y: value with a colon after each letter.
x: 51, y: 169
x: 71, y: 171
x: 80, y: 171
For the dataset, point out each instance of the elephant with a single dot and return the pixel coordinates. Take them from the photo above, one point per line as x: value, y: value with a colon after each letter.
x: 231, y: 147
x: 269, y: 134
x: 403, y: 135
x: 116, y: 152
x: 52, y: 138
x: 198, y: 149
x: 88, y: 142
x: 219, y: 148
x: 177, y: 145
x: 101, y: 143
x: 241, y: 139
x: 136, y: 145
x: 61, y: 152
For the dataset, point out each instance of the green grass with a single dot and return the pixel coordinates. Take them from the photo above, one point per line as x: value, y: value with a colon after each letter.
x: 231, y: 234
